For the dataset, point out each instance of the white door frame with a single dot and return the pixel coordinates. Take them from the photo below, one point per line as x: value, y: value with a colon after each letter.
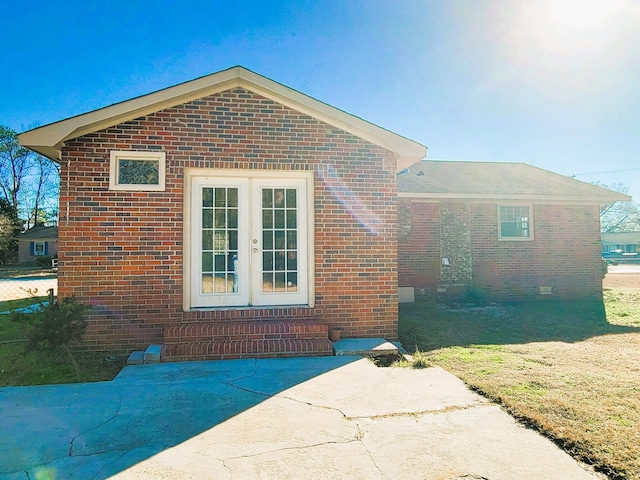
x: 259, y: 295
x: 247, y: 181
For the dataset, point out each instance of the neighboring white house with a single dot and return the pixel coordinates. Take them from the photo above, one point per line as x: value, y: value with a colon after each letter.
x: 620, y: 242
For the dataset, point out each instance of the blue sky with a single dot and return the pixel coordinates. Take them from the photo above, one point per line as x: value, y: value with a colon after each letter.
x: 552, y: 83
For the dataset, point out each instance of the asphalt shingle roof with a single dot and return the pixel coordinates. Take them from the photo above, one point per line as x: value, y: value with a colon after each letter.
x: 492, y: 179
x: 37, y: 233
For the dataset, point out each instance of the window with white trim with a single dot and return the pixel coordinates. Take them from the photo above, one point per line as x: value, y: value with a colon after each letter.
x: 39, y: 248
x: 137, y: 171
x: 515, y: 222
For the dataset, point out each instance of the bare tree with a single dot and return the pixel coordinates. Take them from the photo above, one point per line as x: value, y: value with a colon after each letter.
x: 28, y: 182
x: 619, y: 216
x: 43, y: 191
x: 15, y: 165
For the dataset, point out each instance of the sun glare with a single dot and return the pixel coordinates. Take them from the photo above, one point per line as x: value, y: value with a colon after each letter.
x: 580, y: 14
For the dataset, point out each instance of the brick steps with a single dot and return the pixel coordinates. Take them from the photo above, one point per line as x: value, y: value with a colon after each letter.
x: 253, y: 339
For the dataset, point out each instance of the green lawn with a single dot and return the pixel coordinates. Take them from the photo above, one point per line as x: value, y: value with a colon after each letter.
x: 18, y: 367
x: 570, y: 368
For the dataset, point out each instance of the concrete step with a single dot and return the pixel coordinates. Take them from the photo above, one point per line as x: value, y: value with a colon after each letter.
x: 230, y: 349
x: 366, y: 347
x: 150, y: 355
x: 136, y: 358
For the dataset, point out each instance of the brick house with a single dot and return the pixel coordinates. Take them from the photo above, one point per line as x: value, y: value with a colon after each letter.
x: 37, y: 242
x: 504, y: 231
x: 229, y: 216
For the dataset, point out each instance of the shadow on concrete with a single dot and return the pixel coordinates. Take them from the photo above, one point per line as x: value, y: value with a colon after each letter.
x: 96, y: 430
x: 430, y: 325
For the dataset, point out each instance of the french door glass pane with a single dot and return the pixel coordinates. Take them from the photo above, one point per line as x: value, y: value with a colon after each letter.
x: 279, y: 240
x: 219, y: 239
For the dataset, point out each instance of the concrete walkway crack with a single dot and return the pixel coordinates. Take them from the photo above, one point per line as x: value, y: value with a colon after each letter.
x: 276, y: 395
x: 315, y: 406
x: 419, y: 413
x: 366, y: 449
x: 301, y: 447
x: 227, y: 467
x: 248, y: 390
x: 110, y: 463
x: 252, y: 374
x: 113, y: 417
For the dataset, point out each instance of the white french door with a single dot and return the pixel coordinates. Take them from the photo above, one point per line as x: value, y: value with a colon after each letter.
x: 249, y: 242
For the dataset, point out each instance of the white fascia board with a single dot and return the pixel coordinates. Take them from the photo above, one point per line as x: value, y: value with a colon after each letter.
x: 50, y: 138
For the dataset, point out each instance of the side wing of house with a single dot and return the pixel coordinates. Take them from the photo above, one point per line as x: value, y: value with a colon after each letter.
x: 504, y: 232
x: 239, y: 222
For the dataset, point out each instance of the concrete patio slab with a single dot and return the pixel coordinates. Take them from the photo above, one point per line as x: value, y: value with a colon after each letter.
x: 316, y: 418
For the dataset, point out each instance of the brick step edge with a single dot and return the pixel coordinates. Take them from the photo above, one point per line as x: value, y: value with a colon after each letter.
x: 271, y: 348
x: 235, y: 331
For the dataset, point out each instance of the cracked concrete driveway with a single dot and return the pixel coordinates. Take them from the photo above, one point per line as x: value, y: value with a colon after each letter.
x: 314, y: 418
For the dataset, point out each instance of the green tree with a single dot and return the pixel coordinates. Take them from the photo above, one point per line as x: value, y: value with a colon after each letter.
x: 10, y: 228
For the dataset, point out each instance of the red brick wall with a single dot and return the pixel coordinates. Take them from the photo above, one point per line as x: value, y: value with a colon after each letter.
x: 564, y: 255
x: 122, y: 251
x: 419, y: 245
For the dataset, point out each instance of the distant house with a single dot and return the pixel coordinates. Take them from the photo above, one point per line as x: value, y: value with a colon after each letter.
x: 620, y: 242
x: 37, y: 242
x: 506, y: 231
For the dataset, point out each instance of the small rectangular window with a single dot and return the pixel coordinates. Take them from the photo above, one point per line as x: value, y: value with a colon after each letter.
x: 137, y: 171
x: 515, y: 222
x: 38, y: 248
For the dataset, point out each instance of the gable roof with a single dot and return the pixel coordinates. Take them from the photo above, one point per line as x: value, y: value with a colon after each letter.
x: 40, y: 233
x: 498, y: 181
x: 49, y: 139
x: 621, y: 238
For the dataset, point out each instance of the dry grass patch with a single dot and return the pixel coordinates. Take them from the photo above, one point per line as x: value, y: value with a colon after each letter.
x: 571, y: 369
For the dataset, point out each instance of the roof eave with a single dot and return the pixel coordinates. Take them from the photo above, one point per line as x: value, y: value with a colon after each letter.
x: 49, y: 139
x: 569, y: 199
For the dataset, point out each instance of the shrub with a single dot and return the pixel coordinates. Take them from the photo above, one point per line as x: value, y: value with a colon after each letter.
x: 44, y: 261
x: 53, y: 326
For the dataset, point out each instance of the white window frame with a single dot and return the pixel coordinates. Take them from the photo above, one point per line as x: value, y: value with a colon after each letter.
x: 114, y: 165
x: 35, y: 248
x: 515, y: 239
